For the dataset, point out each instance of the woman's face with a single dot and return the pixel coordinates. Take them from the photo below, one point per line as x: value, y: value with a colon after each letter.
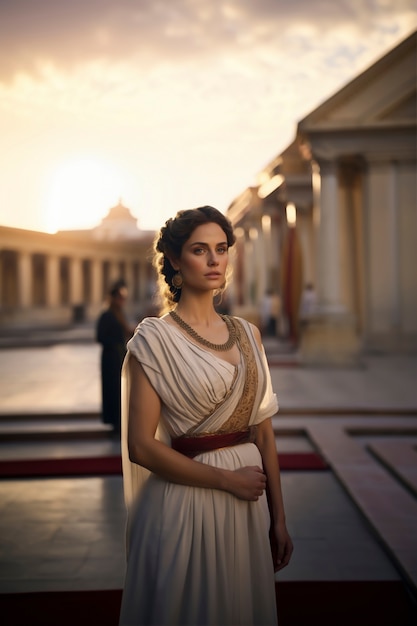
x: 204, y: 258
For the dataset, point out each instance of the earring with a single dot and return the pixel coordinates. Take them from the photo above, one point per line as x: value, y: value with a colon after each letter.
x: 177, y: 280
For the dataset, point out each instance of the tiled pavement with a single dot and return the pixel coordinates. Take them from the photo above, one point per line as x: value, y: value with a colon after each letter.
x: 355, y: 522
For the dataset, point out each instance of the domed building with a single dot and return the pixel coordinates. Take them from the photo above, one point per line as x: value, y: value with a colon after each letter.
x: 119, y: 223
x: 57, y: 279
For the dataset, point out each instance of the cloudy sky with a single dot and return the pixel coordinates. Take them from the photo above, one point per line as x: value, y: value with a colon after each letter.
x: 167, y: 104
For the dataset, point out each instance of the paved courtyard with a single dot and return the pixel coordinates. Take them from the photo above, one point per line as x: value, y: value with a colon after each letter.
x: 355, y: 521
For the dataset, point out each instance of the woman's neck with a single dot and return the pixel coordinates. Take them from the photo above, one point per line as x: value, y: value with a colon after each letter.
x: 198, y: 311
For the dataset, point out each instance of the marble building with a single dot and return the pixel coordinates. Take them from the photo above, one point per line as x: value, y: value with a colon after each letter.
x: 350, y: 176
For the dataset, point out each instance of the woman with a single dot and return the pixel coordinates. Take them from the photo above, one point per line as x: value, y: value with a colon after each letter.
x: 198, y: 447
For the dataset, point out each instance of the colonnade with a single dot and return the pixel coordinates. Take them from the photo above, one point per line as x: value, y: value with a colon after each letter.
x: 258, y: 251
x: 391, y: 255
x: 50, y: 286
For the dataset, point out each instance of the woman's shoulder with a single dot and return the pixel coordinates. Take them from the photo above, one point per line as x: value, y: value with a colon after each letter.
x: 148, y: 342
x: 148, y: 327
x: 251, y: 329
x: 244, y: 322
x: 150, y: 322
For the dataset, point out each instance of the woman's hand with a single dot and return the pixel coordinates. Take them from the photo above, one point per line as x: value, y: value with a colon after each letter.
x: 248, y: 483
x: 285, y: 546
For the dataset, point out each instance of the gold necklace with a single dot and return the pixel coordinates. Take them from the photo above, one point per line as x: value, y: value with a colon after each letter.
x: 220, y: 347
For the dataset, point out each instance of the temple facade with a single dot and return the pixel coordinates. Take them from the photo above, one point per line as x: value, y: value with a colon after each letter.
x: 57, y: 279
x: 336, y: 215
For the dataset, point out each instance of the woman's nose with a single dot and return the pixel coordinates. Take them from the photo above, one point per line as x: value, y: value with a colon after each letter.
x: 213, y: 259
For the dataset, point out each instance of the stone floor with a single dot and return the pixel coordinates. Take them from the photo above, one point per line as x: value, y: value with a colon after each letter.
x: 68, y: 534
x: 355, y: 521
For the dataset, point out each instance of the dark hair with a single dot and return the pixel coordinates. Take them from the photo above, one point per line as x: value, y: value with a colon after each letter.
x: 170, y: 240
x: 117, y: 287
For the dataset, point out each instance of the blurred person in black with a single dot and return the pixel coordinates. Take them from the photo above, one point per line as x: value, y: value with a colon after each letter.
x: 112, y: 332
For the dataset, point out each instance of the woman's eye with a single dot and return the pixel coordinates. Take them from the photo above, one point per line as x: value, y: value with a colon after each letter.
x: 200, y: 251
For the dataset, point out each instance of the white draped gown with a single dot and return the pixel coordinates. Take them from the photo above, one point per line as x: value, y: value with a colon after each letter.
x: 195, y: 556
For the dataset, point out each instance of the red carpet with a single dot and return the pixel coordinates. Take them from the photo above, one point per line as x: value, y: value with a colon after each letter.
x: 91, y: 466
x: 101, y: 466
x: 299, y: 604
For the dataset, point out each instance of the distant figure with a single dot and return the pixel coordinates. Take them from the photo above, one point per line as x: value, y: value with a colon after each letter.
x: 270, y: 312
x: 308, y: 304
x: 113, y: 332
x: 266, y: 313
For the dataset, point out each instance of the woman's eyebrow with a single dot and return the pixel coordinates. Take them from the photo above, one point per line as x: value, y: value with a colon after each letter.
x: 203, y: 243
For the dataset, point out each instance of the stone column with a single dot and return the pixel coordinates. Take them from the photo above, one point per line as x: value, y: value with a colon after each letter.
x: 52, y: 281
x: 329, y: 261
x: 76, y: 290
x: 235, y: 290
x: 330, y: 336
x: 131, y: 308
x: 250, y: 308
x: 249, y: 272
x: 130, y: 279
x: 143, y: 283
x: 134, y: 287
x: 266, y: 233
x: 114, y: 271
x: 259, y: 260
x: 96, y: 282
x: 24, y: 265
x: 382, y: 248
x: 275, y: 252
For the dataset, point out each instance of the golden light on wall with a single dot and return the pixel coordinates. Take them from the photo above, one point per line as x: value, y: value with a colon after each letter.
x: 291, y: 273
x: 316, y: 184
x: 266, y: 224
x: 291, y: 213
x: 270, y: 185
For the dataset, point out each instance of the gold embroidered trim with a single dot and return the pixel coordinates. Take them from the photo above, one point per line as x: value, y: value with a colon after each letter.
x: 239, y: 419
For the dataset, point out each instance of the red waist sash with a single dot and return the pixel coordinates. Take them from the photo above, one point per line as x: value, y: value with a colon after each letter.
x: 191, y: 446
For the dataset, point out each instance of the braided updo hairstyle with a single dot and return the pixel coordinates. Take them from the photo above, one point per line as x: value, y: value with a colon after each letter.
x: 170, y: 240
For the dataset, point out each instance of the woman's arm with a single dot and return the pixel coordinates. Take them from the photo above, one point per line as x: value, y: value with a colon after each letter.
x: 247, y: 483
x: 265, y: 440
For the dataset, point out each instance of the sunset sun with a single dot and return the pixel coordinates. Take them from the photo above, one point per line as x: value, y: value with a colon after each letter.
x: 80, y: 192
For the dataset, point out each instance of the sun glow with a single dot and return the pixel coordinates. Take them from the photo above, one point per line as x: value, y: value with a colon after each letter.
x: 80, y: 193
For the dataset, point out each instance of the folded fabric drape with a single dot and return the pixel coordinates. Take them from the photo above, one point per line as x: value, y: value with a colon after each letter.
x: 183, y: 558
x: 192, y: 446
